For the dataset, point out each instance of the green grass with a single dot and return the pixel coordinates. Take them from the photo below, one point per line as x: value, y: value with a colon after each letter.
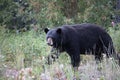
x: 24, y: 54
x: 21, y: 50
x: 115, y: 34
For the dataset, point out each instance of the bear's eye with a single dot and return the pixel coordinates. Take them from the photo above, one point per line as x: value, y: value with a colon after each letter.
x: 50, y: 41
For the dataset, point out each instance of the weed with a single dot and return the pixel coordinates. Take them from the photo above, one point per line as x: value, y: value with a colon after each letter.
x: 22, y: 57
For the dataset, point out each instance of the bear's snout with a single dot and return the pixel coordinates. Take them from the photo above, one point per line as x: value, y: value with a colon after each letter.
x: 50, y: 41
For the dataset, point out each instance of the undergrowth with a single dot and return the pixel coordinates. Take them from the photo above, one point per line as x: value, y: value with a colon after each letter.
x: 23, y: 57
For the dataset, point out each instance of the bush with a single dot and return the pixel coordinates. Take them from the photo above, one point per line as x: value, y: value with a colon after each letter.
x: 115, y: 34
x: 44, y: 13
x: 16, y: 15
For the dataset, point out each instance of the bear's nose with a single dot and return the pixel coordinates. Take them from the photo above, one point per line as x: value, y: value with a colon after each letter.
x: 50, y: 41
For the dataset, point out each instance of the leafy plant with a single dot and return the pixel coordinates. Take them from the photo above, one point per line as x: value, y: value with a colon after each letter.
x: 115, y: 34
x: 16, y: 14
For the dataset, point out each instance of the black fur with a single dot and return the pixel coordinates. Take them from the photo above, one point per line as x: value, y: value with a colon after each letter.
x: 81, y: 39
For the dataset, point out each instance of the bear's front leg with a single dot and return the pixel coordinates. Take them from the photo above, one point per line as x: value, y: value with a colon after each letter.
x: 74, y: 54
x: 75, y: 61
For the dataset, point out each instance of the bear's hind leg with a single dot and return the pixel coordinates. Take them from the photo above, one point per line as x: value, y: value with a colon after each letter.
x: 98, y: 56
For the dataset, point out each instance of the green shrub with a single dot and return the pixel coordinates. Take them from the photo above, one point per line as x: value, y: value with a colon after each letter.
x: 115, y: 34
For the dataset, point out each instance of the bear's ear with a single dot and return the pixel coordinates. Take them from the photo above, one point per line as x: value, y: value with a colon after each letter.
x: 59, y: 30
x: 46, y: 30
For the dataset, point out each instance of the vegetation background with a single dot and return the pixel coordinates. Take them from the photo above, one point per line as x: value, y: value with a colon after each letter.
x: 23, y: 48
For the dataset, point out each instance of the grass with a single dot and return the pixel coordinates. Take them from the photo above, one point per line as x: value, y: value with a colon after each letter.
x: 22, y: 57
x: 115, y: 34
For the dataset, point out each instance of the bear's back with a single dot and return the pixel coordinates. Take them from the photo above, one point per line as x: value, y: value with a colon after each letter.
x: 84, y: 28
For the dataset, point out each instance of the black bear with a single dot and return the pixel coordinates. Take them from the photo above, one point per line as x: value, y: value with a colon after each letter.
x: 80, y: 39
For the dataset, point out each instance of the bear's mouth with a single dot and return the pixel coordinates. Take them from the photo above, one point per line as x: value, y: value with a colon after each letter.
x: 50, y: 41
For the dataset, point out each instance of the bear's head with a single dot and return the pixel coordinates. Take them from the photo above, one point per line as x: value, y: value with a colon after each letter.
x: 53, y: 37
